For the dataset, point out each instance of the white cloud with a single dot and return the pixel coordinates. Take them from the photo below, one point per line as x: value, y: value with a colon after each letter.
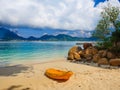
x: 63, y: 32
x: 83, y: 33
x: 65, y: 14
x: 111, y: 2
x: 45, y: 33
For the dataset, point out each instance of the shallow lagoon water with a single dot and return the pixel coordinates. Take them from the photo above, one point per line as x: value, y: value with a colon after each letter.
x: 15, y: 51
x: 40, y: 51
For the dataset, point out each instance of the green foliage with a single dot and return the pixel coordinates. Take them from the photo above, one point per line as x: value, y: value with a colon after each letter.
x: 115, y: 36
x: 102, y: 29
x: 110, y: 21
x: 118, y: 25
x: 105, y: 44
x: 110, y: 13
x: 109, y: 18
x: 115, y: 50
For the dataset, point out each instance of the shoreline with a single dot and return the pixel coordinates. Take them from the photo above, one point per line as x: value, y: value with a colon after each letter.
x: 28, y: 62
x: 85, y: 77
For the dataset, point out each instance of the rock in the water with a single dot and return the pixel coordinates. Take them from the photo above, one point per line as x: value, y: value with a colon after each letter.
x: 110, y: 55
x: 96, y: 58
x: 86, y: 45
x: 103, y: 61
x: 115, y: 62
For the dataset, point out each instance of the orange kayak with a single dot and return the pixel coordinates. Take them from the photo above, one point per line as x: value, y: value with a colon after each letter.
x: 58, y: 74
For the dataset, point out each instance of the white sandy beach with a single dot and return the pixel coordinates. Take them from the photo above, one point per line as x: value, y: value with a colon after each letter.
x: 31, y: 77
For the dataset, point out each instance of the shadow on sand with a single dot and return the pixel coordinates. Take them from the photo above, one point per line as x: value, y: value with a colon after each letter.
x: 12, y: 70
x: 57, y: 80
x: 18, y: 87
x: 96, y: 65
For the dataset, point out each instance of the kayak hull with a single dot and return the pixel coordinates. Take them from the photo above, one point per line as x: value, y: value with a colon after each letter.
x: 58, y: 74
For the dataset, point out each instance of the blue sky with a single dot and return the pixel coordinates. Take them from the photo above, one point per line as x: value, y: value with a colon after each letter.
x: 98, y: 1
x: 25, y: 16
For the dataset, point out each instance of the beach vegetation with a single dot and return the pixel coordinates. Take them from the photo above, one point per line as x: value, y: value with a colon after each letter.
x: 108, y: 28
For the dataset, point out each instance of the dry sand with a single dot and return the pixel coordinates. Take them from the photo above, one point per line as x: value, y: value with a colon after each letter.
x: 85, y: 77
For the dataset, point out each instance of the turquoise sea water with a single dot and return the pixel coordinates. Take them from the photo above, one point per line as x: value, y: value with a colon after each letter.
x: 33, y: 51
x: 38, y: 51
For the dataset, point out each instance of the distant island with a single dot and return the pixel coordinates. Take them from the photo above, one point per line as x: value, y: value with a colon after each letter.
x: 7, y: 35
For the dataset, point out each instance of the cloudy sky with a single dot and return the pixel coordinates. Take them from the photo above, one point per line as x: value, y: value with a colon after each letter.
x: 58, y: 14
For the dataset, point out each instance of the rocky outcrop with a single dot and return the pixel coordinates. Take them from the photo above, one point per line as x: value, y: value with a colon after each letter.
x: 115, y: 62
x: 102, y: 53
x: 96, y: 58
x: 88, y: 57
x: 74, y: 49
x: 110, y: 55
x: 92, y: 54
x: 103, y: 61
x: 70, y: 57
x: 86, y: 45
x: 88, y: 50
x: 91, y: 50
x: 76, y: 56
x: 73, y: 53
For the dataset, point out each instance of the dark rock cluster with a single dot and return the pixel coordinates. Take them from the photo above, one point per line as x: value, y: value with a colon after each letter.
x: 90, y: 53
